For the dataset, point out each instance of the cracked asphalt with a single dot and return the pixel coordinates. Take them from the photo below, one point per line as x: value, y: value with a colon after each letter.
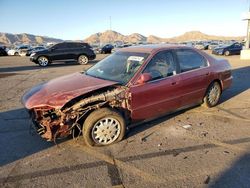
x: 197, y: 147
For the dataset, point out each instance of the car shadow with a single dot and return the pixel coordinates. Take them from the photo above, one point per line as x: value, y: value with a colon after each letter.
x: 238, y: 175
x: 17, y: 138
x: 240, y: 83
x: 37, y: 67
x: 136, y: 129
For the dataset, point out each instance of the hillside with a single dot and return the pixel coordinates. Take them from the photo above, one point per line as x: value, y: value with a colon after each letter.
x: 24, y: 38
x: 112, y: 36
x: 197, y: 35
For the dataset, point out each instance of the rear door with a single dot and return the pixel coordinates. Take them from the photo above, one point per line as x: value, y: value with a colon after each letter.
x: 236, y: 48
x: 159, y: 95
x: 72, y: 50
x: 194, y: 74
x: 59, y: 51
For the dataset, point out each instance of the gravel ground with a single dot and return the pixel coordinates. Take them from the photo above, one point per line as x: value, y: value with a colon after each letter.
x: 212, y: 151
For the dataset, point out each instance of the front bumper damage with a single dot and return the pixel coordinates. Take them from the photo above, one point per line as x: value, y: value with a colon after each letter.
x: 59, y: 123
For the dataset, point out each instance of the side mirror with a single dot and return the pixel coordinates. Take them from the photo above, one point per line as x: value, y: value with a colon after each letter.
x: 145, y: 77
x: 52, y: 49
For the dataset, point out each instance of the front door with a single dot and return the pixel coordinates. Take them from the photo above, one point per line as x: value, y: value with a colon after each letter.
x: 59, y: 52
x: 159, y: 95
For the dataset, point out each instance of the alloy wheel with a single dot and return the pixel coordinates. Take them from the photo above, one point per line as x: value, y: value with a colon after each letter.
x: 43, y: 61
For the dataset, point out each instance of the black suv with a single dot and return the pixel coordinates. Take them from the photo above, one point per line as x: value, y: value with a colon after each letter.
x: 65, y: 51
x: 106, y: 49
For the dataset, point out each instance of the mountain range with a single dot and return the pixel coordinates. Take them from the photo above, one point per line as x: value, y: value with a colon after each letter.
x: 24, y: 38
x: 111, y: 36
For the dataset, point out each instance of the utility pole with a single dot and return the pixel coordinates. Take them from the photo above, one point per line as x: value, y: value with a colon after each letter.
x: 110, y: 23
x: 110, y: 27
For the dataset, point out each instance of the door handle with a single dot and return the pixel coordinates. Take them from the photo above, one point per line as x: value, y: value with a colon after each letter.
x: 208, y: 73
x: 173, y: 83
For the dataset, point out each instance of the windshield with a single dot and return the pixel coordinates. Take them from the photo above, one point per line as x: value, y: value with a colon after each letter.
x: 119, y: 67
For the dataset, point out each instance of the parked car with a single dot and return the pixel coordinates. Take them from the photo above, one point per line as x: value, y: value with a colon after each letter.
x: 213, y: 45
x: 21, y: 50
x: 119, y: 47
x: 34, y: 50
x: 132, y: 85
x: 106, y: 49
x: 201, y: 45
x: 65, y: 51
x: 3, y: 51
x: 231, y: 49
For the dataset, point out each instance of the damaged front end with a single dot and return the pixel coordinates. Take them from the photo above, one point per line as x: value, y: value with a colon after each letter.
x: 53, y: 123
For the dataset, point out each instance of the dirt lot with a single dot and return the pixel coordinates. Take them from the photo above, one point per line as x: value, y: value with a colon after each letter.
x: 212, y: 152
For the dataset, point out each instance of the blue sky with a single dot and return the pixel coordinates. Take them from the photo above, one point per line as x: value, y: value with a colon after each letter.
x: 77, y: 19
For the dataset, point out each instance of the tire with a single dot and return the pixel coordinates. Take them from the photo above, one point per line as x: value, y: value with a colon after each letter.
x: 100, y: 121
x: 43, y: 61
x: 227, y: 53
x: 212, y: 95
x: 16, y: 54
x: 83, y: 60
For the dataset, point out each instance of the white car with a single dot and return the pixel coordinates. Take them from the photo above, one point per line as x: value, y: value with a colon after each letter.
x: 21, y: 50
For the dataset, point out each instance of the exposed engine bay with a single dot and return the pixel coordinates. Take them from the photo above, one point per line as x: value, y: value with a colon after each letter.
x: 58, y: 123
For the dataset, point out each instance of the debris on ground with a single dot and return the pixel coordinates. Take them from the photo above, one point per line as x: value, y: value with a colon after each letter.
x: 185, y: 157
x: 175, y: 153
x: 159, y: 144
x: 144, y: 139
x: 226, y: 152
x: 201, y: 123
x: 131, y: 141
x: 207, y: 180
x: 204, y: 134
x: 187, y: 126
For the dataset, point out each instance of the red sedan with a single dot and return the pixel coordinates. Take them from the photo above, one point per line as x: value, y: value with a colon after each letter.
x: 132, y: 85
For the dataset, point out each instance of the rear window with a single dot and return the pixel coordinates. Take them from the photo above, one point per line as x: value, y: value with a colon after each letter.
x: 86, y: 45
x: 190, y: 60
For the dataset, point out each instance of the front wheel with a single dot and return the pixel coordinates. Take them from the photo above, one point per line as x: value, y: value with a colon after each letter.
x: 43, y: 61
x: 103, y: 127
x: 83, y: 60
x: 213, y: 95
x: 227, y: 53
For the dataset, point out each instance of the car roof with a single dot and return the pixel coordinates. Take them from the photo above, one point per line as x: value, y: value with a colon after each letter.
x: 153, y: 48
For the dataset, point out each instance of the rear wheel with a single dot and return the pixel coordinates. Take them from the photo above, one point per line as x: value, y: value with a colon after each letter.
x: 103, y: 127
x: 43, y: 61
x: 16, y: 54
x: 227, y: 53
x: 83, y: 59
x: 213, y: 95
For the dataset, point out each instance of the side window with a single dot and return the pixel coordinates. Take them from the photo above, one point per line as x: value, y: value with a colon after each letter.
x: 62, y: 46
x: 237, y: 45
x: 77, y: 45
x: 84, y: 45
x: 71, y: 45
x: 190, y: 60
x: 161, y: 65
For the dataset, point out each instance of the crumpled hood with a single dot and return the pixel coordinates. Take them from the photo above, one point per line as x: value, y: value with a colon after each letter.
x: 57, y: 92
